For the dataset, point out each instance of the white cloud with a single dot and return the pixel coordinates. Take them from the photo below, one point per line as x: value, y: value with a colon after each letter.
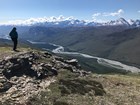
x: 31, y: 21
x: 27, y: 22
x: 117, y: 13
x: 98, y: 15
x: 94, y: 16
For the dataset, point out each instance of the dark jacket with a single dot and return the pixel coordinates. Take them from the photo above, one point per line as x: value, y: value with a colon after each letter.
x: 13, y: 34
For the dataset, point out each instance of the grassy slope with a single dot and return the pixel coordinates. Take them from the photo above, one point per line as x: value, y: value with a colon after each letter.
x: 70, y: 89
x: 122, y: 46
x: 127, y: 49
x: 6, y: 51
x: 88, y: 40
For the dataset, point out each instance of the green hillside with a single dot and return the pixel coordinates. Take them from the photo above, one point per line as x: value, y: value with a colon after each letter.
x: 127, y: 49
x: 117, y: 43
x: 82, y: 39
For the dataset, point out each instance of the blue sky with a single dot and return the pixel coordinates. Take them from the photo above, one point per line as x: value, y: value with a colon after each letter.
x: 81, y: 9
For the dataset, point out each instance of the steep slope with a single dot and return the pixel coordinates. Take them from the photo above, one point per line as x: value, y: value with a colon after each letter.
x: 127, y: 49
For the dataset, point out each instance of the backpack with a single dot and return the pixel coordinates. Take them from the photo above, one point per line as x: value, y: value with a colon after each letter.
x: 10, y: 34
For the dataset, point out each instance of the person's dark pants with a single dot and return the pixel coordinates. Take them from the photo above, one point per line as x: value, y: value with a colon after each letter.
x: 15, y: 43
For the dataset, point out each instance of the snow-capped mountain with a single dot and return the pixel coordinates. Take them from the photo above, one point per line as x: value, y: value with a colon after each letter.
x: 70, y: 21
x: 120, y: 21
x: 135, y: 23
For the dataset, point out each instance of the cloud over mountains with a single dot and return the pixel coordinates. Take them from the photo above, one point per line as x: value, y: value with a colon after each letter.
x: 62, y: 21
x: 32, y: 21
x: 117, y: 13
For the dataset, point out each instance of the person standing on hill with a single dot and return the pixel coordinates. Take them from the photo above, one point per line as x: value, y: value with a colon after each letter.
x: 14, y: 36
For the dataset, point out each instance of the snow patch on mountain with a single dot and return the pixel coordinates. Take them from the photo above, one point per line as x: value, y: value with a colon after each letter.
x: 120, y: 21
x: 62, y: 21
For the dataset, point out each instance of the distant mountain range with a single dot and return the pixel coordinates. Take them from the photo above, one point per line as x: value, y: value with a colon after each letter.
x: 60, y: 22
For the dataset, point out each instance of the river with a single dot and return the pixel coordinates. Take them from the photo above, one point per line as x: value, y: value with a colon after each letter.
x: 102, y: 61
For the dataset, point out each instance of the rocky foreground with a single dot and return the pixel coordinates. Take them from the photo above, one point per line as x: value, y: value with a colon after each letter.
x: 40, y: 78
x: 25, y: 74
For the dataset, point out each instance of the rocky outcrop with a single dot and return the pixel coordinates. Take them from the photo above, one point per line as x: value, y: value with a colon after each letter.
x: 26, y: 64
x: 4, y: 84
x: 28, y: 73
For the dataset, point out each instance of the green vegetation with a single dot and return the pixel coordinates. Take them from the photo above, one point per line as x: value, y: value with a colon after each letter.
x: 92, y: 65
x: 70, y: 89
x: 95, y: 89
x: 67, y: 86
x: 116, y: 43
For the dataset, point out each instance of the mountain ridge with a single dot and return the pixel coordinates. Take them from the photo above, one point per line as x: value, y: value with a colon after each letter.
x: 67, y: 22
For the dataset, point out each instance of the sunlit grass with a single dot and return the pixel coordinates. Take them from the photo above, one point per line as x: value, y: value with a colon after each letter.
x: 7, y: 51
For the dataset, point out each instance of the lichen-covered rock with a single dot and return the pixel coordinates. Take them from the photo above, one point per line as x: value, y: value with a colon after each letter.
x: 73, y: 62
x: 4, y: 84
